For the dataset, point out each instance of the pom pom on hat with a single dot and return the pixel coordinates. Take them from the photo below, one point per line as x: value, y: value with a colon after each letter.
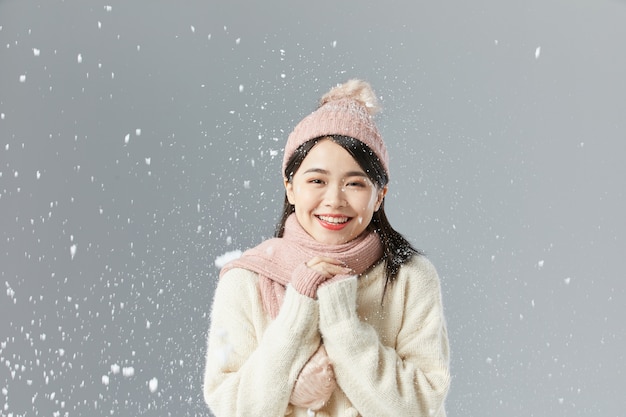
x: 347, y: 110
x: 357, y: 90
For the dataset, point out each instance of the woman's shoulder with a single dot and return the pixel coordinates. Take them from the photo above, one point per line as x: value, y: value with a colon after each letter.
x: 237, y: 293
x: 418, y: 269
x: 238, y: 280
x: 421, y: 262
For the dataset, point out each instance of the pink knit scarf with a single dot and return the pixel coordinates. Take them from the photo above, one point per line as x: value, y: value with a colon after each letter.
x: 275, y: 259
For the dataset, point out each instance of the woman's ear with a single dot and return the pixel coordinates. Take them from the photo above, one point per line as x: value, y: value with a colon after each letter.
x: 289, y: 191
x: 381, y: 196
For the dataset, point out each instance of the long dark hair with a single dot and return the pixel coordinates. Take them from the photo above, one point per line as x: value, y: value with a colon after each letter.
x: 396, y: 249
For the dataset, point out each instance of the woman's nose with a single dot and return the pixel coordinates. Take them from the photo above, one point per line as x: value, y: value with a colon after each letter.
x: 335, y: 196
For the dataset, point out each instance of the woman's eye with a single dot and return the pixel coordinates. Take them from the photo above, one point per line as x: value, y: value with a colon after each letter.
x: 315, y: 181
x: 356, y: 184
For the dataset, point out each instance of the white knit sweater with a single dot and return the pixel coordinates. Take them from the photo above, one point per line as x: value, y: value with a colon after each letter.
x: 390, y: 359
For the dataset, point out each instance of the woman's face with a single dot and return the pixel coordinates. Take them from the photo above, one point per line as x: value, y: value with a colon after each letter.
x: 333, y: 197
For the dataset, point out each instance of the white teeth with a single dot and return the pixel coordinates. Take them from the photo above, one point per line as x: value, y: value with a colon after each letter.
x: 336, y: 220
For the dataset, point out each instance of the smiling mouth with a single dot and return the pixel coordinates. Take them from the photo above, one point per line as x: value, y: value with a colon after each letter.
x: 333, y: 223
x: 338, y: 220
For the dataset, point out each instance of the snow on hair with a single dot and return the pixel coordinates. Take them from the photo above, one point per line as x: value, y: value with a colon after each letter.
x: 357, y: 90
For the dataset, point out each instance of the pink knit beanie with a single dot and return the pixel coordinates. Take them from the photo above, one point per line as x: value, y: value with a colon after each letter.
x: 347, y: 110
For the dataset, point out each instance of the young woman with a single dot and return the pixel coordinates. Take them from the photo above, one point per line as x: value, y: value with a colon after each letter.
x: 338, y: 315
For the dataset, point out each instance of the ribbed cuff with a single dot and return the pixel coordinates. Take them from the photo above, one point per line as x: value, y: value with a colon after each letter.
x: 306, y: 280
x: 298, y: 315
x: 337, y: 301
x: 336, y: 278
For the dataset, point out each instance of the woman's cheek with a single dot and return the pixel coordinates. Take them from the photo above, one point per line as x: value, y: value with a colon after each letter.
x: 372, y: 203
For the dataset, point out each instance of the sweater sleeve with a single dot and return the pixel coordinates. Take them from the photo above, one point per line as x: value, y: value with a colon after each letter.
x: 251, y: 369
x: 409, y: 379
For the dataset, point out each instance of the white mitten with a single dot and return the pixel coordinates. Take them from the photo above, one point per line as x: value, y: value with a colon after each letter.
x: 316, y: 382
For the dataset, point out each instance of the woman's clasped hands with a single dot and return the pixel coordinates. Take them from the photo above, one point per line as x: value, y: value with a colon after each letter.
x: 328, y: 267
x: 319, y: 270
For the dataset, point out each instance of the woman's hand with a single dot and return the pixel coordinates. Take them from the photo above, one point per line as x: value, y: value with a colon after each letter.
x: 308, y: 277
x: 328, y: 267
x: 316, y: 382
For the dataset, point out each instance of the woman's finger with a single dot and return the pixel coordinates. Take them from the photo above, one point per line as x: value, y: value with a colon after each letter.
x: 329, y: 270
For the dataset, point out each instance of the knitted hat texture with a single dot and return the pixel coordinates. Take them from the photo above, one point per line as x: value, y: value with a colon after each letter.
x: 347, y: 110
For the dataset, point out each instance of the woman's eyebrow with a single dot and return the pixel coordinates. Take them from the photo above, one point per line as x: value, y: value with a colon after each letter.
x: 345, y: 174
x: 354, y: 174
x: 316, y: 171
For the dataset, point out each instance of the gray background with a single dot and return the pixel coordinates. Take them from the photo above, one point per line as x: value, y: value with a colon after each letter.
x: 140, y: 140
